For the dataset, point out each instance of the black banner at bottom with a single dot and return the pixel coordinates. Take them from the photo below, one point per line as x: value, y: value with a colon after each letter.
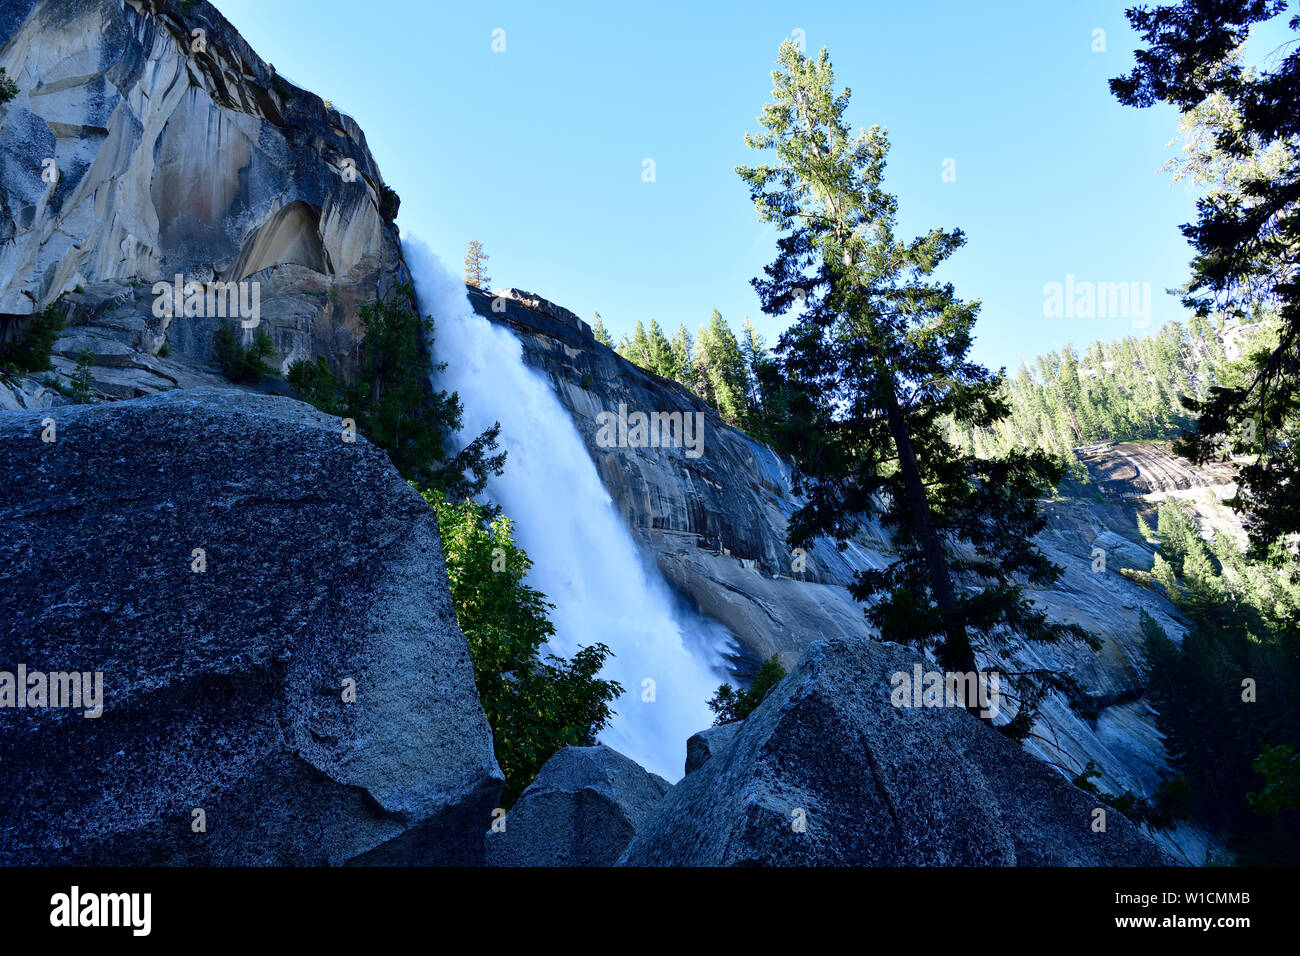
x: 210, y: 905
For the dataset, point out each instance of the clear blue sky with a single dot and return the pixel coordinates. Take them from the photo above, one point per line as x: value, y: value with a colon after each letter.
x: 537, y: 151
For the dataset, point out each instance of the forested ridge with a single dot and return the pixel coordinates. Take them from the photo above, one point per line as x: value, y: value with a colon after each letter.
x: 1128, y: 389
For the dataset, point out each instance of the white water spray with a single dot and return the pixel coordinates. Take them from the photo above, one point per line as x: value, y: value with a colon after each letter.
x: 668, y: 659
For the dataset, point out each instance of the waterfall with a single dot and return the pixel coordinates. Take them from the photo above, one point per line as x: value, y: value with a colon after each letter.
x: 668, y: 659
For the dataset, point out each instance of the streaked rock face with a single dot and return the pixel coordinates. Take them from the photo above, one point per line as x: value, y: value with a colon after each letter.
x: 225, y: 689
x: 178, y: 154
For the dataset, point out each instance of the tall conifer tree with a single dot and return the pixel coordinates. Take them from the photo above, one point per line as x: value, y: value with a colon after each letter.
x: 476, y: 265
x: 600, y: 333
x: 1244, y: 127
x: 880, y: 350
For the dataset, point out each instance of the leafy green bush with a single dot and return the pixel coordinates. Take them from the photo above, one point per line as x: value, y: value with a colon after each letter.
x: 241, y: 364
x: 1280, y: 768
x: 535, y: 705
x: 82, y: 392
x: 394, y: 405
x: 8, y: 89
x: 1163, y: 812
x: 389, y: 203
x: 1171, y: 804
x: 31, y: 350
x: 729, y: 704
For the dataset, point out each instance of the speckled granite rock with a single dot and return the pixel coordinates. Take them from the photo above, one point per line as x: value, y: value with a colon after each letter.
x: 223, y: 690
x: 584, y: 806
x: 827, y: 772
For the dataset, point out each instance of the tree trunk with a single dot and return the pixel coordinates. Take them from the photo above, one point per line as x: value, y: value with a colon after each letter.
x: 956, y: 653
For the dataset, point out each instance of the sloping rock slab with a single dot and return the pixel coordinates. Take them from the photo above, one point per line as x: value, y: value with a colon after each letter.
x: 223, y: 691
x: 582, y: 809
x: 827, y: 772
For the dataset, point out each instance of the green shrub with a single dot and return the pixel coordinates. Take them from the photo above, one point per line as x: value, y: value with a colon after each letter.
x: 535, y: 705
x: 389, y: 203
x: 729, y: 704
x: 239, y: 364
x: 82, y: 391
x: 1280, y: 768
x: 1163, y: 812
x: 8, y: 89
x: 394, y: 405
x: 31, y: 350
x: 1171, y: 804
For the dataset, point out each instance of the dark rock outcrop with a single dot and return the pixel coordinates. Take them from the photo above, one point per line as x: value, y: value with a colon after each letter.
x: 223, y: 690
x: 828, y: 772
x: 707, y: 744
x: 582, y: 809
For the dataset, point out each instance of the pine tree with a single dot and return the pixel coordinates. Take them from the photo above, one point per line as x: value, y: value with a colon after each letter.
x: 8, y: 88
x: 394, y: 405
x: 1243, y: 128
x: 660, y: 351
x: 683, y: 355
x: 1163, y: 572
x: 599, y: 333
x: 724, y: 366
x: 880, y: 349
x: 754, y: 349
x: 476, y: 266
x: 638, y: 349
x: 1071, y: 391
x: 1205, y: 588
x: 701, y: 365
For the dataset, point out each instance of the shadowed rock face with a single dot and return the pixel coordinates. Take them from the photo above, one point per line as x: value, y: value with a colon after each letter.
x: 905, y: 786
x: 707, y: 744
x: 582, y: 809
x: 223, y: 690
x: 1135, y: 469
x: 177, y: 155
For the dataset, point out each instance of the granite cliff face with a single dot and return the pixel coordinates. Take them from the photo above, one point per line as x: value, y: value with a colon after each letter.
x: 147, y: 141
x: 715, y: 526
